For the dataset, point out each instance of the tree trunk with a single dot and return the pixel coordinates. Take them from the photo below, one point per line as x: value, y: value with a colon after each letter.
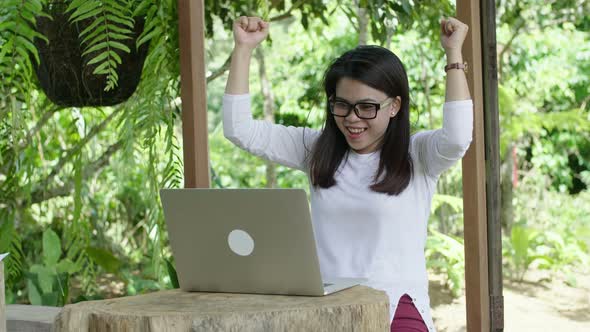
x: 363, y: 21
x: 358, y: 308
x: 271, y: 176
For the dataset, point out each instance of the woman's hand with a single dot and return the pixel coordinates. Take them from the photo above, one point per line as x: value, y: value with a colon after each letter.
x: 249, y: 32
x: 453, y: 33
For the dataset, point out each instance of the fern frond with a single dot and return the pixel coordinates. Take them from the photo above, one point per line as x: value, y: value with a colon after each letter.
x: 17, y: 49
x: 10, y: 242
x: 112, y: 21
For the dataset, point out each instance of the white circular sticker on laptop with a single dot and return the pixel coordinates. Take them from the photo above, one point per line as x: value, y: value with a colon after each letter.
x: 240, y: 242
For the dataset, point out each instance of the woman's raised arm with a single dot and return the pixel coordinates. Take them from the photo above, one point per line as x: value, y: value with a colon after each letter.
x: 249, y: 32
x: 453, y: 33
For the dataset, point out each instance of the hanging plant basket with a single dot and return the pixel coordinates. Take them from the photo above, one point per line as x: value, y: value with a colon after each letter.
x: 64, y: 72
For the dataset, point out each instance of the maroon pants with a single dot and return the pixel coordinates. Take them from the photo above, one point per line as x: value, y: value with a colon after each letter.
x: 407, y: 318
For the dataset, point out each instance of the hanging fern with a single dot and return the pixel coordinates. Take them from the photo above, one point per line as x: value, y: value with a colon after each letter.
x: 17, y: 32
x: 150, y: 117
x: 17, y: 54
x: 112, y: 22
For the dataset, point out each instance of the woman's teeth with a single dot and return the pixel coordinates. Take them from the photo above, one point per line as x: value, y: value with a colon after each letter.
x: 356, y: 130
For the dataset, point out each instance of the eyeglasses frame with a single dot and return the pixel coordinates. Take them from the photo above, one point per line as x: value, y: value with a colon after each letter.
x: 356, y: 111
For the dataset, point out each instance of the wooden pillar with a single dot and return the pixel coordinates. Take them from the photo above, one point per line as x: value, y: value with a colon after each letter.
x: 492, y: 154
x: 191, y: 21
x: 474, y: 177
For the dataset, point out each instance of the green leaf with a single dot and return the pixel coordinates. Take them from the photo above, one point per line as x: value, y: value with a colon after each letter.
x: 98, y: 39
x: 98, y: 32
x: 75, y: 4
x: 85, y: 8
x: 45, y: 277
x: 98, y: 58
x: 118, y: 10
x: 112, y: 71
x: 172, y: 274
x: 33, y: 293
x: 50, y: 299
x: 120, y: 46
x: 118, y: 29
x: 102, y: 68
x: 88, y: 15
x: 92, y: 26
x: 6, y: 234
x: 30, y: 47
x: 33, y: 6
x: 51, y: 248
x: 139, y: 10
x: 67, y: 266
x: 118, y: 36
x: 8, y: 25
x: 149, y: 36
x: 116, y: 56
x: 95, y: 48
x: 127, y: 22
x: 104, y: 259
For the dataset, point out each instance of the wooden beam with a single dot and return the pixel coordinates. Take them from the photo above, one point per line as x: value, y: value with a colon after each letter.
x: 191, y: 21
x: 474, y: 176
x: 492, y: 152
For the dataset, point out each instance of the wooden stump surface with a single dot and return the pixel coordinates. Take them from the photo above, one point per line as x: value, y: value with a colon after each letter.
x: 355, y: 309
x: 30, y: 318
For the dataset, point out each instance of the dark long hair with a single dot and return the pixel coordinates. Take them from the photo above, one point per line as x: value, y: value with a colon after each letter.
x: 380, y: 69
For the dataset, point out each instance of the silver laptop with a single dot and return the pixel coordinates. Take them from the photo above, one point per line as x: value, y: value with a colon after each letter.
x: 245, y: 241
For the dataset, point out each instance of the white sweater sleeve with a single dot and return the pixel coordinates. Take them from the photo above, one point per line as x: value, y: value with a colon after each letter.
x: 288, y: 146
x: 437, y: 150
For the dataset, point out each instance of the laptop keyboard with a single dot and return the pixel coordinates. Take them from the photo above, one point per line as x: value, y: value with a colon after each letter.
x: 326, y: 285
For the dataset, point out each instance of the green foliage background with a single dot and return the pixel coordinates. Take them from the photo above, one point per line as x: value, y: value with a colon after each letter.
x: 79, y: 206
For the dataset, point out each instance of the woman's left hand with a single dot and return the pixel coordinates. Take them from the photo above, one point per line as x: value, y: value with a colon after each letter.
x: 453, y: 33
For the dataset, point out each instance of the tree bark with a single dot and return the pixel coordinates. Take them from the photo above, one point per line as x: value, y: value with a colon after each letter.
x: 271, y: 176
x: 363, y: 22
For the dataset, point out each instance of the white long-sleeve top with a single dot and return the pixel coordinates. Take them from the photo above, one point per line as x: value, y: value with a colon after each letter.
x: 359, y: 232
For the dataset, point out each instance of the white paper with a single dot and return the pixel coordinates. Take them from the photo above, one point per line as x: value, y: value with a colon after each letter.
x: 2, y: 256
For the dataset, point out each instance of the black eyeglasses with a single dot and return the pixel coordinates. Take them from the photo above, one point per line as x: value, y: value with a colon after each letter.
x: 362, y: 110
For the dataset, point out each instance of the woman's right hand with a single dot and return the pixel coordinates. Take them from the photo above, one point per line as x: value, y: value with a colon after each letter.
x: 249, y: 32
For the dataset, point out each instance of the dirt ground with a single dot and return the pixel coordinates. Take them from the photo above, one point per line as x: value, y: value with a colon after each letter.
x: 536, y: 304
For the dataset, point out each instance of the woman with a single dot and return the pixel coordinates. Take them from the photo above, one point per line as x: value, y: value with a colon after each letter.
x: 371, y: 182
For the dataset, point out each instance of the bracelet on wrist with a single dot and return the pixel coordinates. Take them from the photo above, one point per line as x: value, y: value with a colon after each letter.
x: 457, y: 65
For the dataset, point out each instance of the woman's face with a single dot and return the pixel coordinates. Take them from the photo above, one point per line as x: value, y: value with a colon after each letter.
x: 364, y: 135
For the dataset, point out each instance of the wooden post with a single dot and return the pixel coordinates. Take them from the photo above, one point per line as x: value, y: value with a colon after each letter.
x: 191, y: 21
x: 474, y: 176
x: 2, y: 299
x: 492, y: 152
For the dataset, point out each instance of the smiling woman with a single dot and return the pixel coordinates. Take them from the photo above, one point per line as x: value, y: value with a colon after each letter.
x: 365, y: 122
x: 371, y: 181
x: 375, y: 74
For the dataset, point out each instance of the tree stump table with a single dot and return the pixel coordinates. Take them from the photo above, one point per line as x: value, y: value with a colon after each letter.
x: 358, y: 308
